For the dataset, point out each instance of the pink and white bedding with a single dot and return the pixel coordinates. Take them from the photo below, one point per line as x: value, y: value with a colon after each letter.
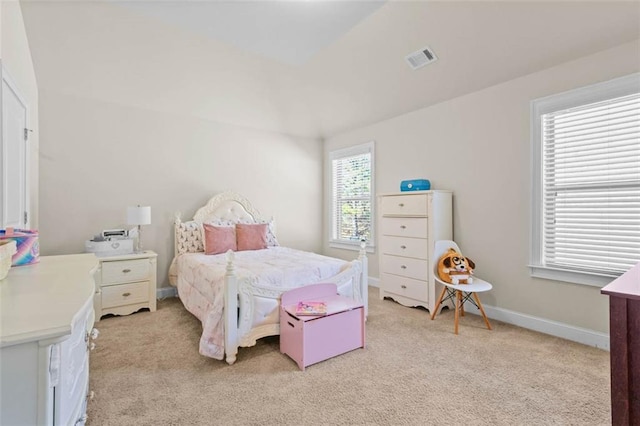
x: 201, y: 285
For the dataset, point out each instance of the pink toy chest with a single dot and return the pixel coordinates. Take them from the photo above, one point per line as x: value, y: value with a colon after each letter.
x: 311, y: 339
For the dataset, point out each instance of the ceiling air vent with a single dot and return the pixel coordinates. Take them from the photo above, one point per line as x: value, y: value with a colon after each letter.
x: 421, y: 58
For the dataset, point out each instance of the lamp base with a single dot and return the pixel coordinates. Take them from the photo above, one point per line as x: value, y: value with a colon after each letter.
x: 138, y: 243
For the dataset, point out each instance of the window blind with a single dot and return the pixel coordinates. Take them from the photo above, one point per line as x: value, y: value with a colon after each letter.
x: 591, y: 187
x: 352, y: 197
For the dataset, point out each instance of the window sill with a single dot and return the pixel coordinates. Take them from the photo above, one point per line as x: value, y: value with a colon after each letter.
x: 355, y: 246
x: 585, y: 278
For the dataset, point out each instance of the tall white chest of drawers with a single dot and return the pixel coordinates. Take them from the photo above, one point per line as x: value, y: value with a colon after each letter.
x: 409, y: 225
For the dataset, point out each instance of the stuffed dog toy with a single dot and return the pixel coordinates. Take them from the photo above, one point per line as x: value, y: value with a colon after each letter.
x: 454, y: 268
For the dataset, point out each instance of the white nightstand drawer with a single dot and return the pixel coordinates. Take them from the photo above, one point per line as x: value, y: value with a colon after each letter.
x: 405, y: 226
x: 407, y: 287
x: 125, y: 294
x: 404, y: 205
x: 125, y: 271
x: 403, y: 246
x: 405, y: 266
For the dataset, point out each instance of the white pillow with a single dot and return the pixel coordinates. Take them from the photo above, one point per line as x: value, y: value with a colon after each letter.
x: 189, y: 238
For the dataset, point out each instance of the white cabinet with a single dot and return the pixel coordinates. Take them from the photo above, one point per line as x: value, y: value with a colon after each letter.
x: 47, y: 319
x: 126, y: 284
x: 409, y: 224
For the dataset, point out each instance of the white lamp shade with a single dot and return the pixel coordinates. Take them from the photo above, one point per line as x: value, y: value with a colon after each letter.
x: 140, y: 215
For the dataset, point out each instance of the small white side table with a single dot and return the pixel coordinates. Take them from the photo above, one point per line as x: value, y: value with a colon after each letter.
x: 126, y: 283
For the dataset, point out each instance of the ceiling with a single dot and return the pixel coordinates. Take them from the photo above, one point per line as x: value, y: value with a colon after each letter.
x: 307, y: 68
x: 287, y: 31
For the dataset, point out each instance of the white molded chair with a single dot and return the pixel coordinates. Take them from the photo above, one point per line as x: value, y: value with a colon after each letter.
x: 459, y: 293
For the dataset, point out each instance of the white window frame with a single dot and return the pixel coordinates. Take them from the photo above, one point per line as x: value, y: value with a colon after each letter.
x: 364, y: 148
x: 599, y: 92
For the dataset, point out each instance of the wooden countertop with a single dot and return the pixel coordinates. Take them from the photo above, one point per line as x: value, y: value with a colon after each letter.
x: 626, y: 285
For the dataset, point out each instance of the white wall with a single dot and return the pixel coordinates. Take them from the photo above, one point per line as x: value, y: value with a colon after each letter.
x: 135, y: 111
x: 16, y: 60
x: 478, y: 145
x: 97, y: 158
x: 105, y: 51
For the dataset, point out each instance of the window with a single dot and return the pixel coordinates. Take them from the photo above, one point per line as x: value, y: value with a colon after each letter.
x: 352, y: 196
x: 586, y: 182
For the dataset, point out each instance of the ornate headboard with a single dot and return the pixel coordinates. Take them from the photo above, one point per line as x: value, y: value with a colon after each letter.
x: 228, y: 207
x: 225, y: 208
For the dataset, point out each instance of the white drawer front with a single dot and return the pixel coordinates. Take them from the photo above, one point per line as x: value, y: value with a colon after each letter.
x: 405, y: 226
x: 407, y: 287
x: 404, y: 205
x: 124, y: 271
x: 402, y: 246
x: 125, y: 294
x: 405, y: 266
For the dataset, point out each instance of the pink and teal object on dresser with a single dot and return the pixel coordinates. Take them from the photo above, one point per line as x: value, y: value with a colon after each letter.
x: 27, y: 245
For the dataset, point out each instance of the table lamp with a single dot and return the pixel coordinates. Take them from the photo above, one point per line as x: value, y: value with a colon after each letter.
x: 139, y: 215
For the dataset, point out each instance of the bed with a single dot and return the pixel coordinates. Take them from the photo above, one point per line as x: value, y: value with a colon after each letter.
x: 236, y: 295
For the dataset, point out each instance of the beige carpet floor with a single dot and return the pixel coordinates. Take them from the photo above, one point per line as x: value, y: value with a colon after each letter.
x: 146, y: 370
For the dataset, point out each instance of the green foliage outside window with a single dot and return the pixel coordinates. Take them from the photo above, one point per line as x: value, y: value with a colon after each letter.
x: 352, y: 192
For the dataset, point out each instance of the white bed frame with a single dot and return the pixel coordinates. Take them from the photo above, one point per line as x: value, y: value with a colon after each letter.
x: 240, y: 296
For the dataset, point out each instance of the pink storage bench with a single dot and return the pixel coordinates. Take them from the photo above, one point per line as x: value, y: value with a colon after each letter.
x: 311, y: 339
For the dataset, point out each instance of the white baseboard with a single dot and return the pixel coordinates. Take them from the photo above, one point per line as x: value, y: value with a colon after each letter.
x: 164, y: 292
x: 373, y: 282
x: 553, y: 328
x: 542, y: 325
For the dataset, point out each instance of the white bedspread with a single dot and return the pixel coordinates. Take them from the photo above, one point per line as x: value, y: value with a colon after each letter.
x: 201, y: 282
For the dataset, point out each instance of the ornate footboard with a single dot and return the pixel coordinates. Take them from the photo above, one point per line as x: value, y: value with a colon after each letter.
x: 240, y: 300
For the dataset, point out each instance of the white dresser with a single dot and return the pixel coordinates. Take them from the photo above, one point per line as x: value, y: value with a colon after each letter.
x: 46, y: 316
x: 126, y: 283
x: 409, y: 224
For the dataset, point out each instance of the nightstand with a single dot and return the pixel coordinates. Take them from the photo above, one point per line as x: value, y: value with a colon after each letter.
x: 125, y: 284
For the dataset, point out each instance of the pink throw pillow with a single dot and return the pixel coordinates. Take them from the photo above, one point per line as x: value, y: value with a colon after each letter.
x: 219, y: 239
x: 251, y: 237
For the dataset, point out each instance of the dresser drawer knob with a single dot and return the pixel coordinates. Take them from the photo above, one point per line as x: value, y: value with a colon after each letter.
x: 403, y: 286
x: 126, y: 271
x: 127, y: 294
x: 403, y: 247
x: 401, y: 205
x: 403, y: 267
x: 403, y: 227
